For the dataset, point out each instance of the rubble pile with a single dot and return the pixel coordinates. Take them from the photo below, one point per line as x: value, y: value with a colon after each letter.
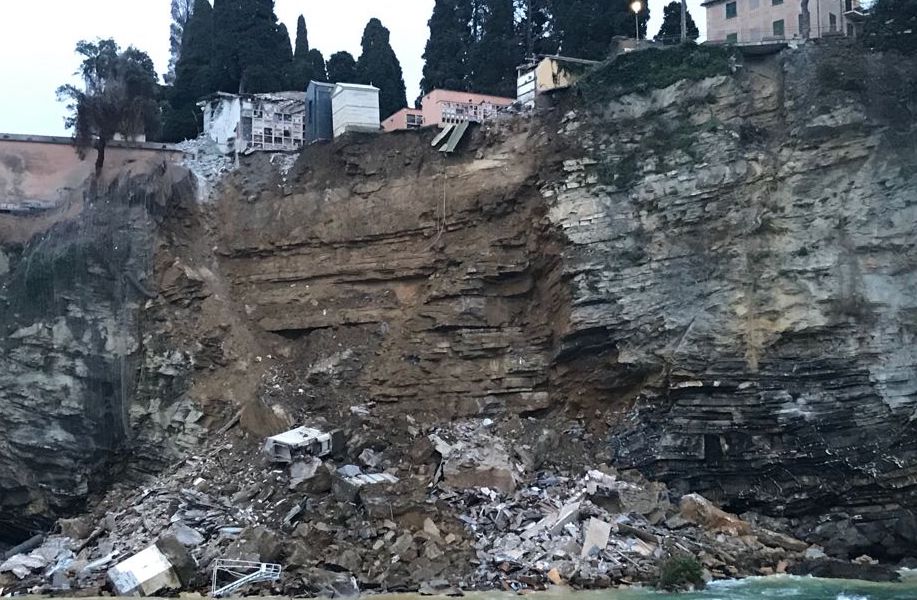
x: 604, y: 529
x: 441, y: 510
x: 204, y: 159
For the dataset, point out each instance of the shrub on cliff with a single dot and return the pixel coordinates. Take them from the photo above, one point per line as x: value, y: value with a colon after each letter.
x: 681, y: 572
x: 892, y: 25
x: 654, y: 68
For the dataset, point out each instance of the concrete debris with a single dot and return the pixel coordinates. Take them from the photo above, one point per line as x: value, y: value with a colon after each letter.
x: 337, y: 527
x: 475, y: 459
x: 302, y: 441
x: 147, y: 572
x: 597, y: 534
x: 21, y: 565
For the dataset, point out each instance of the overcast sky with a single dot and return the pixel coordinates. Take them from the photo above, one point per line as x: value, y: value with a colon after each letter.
x: 37, y: 38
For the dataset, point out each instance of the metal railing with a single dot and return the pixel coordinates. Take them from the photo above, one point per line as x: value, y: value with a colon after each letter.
x: 239, y: 574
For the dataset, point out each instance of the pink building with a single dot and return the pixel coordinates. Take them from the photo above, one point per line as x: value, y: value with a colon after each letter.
x: 406, y: 118
x: 446, y: 106
x: 754, y: 21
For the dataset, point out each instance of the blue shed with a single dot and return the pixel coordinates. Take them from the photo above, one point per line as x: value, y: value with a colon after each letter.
x: 318, y: 112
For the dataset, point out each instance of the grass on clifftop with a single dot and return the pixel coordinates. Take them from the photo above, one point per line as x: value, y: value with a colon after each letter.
x: 653, y: 68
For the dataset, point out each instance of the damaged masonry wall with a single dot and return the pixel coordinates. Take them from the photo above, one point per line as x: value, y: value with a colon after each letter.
x: 273, y: 122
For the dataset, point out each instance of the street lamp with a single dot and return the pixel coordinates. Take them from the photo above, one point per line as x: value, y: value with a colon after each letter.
x: 637, y: 6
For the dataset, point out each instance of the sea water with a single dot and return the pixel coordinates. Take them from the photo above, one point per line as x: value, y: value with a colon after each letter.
x: 777, y: 587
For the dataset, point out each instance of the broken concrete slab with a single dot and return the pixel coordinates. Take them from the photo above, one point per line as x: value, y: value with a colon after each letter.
x: 303, y: 470
x: 22, y: 565
x: 286, y: 446
x: 146, y: 573
x: 596, y: 538
x: 554, y: 523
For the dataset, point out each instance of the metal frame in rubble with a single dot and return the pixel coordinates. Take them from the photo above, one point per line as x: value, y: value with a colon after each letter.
x: 243, y: 573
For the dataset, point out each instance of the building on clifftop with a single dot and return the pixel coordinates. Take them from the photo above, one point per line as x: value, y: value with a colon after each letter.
x: 447, y: 107
x: 271, y: 122
x: 763, y: 21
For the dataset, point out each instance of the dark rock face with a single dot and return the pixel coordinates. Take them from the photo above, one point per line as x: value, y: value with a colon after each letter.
x: 76, y: 371
x: 770, y: 305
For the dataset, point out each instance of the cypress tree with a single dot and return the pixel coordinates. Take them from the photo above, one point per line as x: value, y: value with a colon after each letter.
x: 534, y: 27
x: 584, y: 28
x: 316, y: 63
x: 379, y: 66
x: 302, y: 72
x: 181, y: 14
x: 342, y: 68
x: 225, y: 66
x: 670, y: 32
x: 446, y: 54
x: 252, y: 51
x: 498, y: 52
x: 193, y: 76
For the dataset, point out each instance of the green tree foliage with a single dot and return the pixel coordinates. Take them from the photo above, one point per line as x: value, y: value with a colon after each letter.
x: 584, y: 28
x: 118, y: 96
x: 193, y: 76
x: 342, y: 68
x: 252, y: 51
x: 670, y: 32
x: 681, y: 573
x: 181, y: 14
x: 892, y: 25
x: 379, y: 66
x: 446, y: 61
x: 317, y: 67
x: 301, y: 73
x: 534, y: 26
x: 498, y: 51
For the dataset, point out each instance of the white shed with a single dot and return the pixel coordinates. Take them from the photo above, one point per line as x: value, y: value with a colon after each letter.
x: 355, y: 107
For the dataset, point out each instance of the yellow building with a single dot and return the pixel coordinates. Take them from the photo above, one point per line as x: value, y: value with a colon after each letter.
x: 549, y: 73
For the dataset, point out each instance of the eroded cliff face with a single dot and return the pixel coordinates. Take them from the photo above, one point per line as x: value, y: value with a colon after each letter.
x: 716, y: 280
x: 79, y: 370
x: 724, y: 270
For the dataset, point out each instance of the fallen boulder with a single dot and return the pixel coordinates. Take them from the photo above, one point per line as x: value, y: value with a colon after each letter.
x: 696, y: 509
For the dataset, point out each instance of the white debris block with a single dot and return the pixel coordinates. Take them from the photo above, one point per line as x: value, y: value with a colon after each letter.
x: 22, y: 565
x: 284, y: 447
x: 597, y: 534
x: 146, y: 572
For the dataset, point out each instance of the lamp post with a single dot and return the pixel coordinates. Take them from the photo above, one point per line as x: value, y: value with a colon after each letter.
x: 637, y: 6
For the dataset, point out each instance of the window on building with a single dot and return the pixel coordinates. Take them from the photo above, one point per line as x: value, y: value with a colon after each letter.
x: 848, y: 5
x: 776, y: 2
x: 732, y: 38
x: 731, y: 11
x: 415, y: 121
x: 778, y: 29
x: 850, y: 31
x: 832, y: 22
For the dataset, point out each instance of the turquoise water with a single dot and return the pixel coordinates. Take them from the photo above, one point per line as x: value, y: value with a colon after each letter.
x: 755, y: 588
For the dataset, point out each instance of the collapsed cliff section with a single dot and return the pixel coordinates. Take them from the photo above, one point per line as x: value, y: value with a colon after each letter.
x: 719, y: 272
x: 431, y: 278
